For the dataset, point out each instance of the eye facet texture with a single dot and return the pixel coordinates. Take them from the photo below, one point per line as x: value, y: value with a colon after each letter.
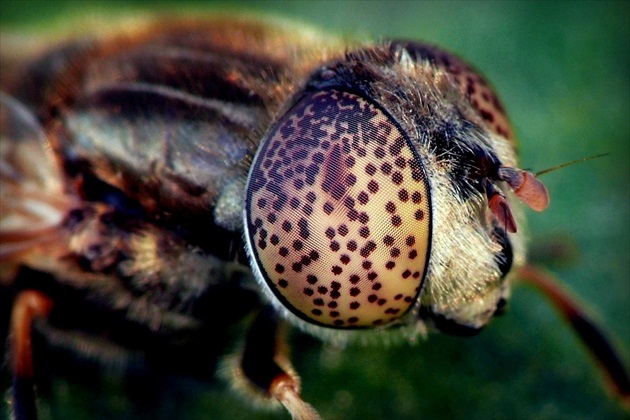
x: 338, y: 213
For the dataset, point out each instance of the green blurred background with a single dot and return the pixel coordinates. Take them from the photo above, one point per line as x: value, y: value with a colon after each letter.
x: 563, y: 71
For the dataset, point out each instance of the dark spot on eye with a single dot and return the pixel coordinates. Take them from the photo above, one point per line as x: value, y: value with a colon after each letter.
x: 388, y: 240
x: 274, y: 240
x: 406, y: 274
x: 351, y: 180
x: 297, y: 267
x: 416, y: 274
x: 396, y: 220
x: 367, y: 249
x: 334, y: 245
x: 308, y: 291
x: 394, y: 252
x: 316, y: 312
x: 305, y: 260
x: 354, y: 305
x: 310, y: 197
x: 416, y: 197
x: 381, y: 302
x: 398, y: 296
x: 330, y: 233
x: 343, y: 230
x: 364, y: 231
x: 366, y: 264
x: 332, y: 304
x: 304, y: 231
x: 258, y: 222
x: 338, y: 322
x: 410, y: 240
x: 390, y: 207
x: 408, y: 299
x: 283, y: 251
x: 363, y: 197
x: 486, y: 115
x: 395, y: 149
x: 298, y: 184
x: 377, y: 286
x: 307, y: 209
x: 370, y: 169
x: 372, y: 275
x: 297, y: 245
x: 372, y: 298
x: 403, y: 195
x: 390, y: 265
x: 334, y: 314
x: 349, y: 202
x: 355, y: 291
x: 322, y: 290
x: 364, y: 218
x: 400, y: 162
x: 286, y: 226
x: 419, y: 215
x: 336, y: 270
x: 397, y: 178
x: 328, y: 208
x: 352, y: 246
x: 338, y: 191
x: 372, y: 186
x: 311, y: 279
x: 386, y: 168
x: 335, y: 285
x: 283, y: 283
x: 350, y: 161
x: 392, y: 311
x: 335, y: 294
x: 262, y: 244
x: 318, y: 302
x: 353, y: 320
x: 271, y: 218
x: 352, y: 215
x: 379, y: 152
x: 279, y: 268
x: 413, y: 254
x: 354, y: 279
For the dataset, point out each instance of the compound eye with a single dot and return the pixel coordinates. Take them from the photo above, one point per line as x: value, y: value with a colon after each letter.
x: 337, y: 215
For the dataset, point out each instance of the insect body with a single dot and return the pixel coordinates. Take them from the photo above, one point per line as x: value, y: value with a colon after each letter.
x: 373, y: 188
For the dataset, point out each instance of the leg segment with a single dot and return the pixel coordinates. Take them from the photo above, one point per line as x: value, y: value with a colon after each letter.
x: 29, y: 305
x: 585, y: 327
x: 265, y: 370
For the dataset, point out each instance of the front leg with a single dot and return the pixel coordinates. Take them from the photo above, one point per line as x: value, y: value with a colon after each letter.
x: 29, y: 306
x: 264, y: 371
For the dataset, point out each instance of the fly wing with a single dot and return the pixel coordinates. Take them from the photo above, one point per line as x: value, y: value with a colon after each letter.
x: 31, y: 189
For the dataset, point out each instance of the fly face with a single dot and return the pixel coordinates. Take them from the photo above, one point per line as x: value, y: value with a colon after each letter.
x: 378, y: 198
x: 370, y: 190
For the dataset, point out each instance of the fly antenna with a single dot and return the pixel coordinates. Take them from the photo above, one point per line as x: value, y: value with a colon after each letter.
x: 573, y: 162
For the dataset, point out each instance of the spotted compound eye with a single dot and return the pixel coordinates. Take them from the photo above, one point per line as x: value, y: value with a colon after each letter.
x: 337, y: 213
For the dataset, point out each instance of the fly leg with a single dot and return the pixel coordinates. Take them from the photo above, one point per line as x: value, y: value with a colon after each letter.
x: 264, y: 370
x: 28, y: 307
x: 586, y: 328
